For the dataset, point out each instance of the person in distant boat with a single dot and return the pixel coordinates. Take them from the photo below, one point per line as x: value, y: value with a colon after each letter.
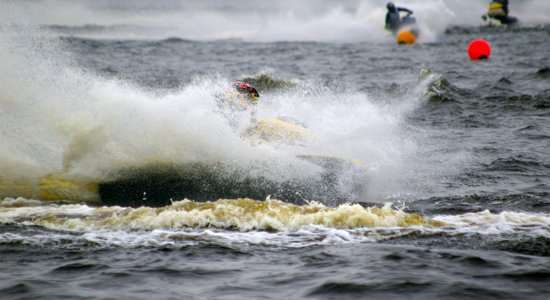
x: 498, y: 10
x: 241, y: 97
x: 394, y: 20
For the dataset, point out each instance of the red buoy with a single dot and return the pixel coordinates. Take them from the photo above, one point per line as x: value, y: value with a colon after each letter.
x: 479, y: 49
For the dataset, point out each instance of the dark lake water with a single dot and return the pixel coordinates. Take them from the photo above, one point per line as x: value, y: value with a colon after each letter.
x: 453, y: 197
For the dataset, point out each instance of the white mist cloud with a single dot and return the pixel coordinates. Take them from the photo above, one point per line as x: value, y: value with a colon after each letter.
x: 309, y: 20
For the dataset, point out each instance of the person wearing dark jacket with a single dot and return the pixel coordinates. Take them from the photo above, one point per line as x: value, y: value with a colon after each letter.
x: 393, y: 17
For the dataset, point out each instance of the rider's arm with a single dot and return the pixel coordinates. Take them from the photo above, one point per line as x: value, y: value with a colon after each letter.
x: 408, y: 11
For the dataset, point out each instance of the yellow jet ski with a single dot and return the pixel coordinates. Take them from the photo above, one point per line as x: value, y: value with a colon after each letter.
x: 340, y: 181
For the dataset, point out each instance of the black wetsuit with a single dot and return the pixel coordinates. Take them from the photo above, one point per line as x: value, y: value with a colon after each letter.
x: 504, y: 19
x: 393, y: 20
x: 504, y: 5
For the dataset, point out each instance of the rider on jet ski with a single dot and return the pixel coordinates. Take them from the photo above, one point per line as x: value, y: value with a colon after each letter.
x: 393, y: 19
x: 241, y: 97
x: 498, y: 10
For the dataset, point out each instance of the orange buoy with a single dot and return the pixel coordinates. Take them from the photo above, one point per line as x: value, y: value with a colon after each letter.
x: 406, y: 37
x: 479, y: 49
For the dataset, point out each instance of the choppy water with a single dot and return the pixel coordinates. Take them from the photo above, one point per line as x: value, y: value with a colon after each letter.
x: 455, y: 198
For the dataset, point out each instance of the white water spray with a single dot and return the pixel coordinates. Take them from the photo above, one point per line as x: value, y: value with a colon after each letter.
x: 265, y: 21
